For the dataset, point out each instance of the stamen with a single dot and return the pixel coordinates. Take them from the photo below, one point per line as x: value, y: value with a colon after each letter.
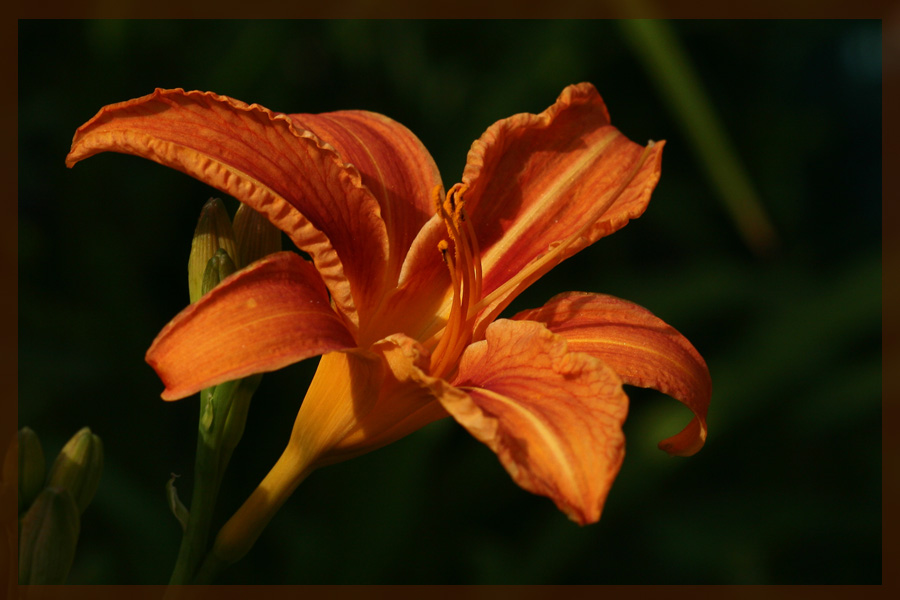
x: 452, y: 327
x: 465, y: 275
x: 473, y: 241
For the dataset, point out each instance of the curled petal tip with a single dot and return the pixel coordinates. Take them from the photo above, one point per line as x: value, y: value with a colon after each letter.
x: 641, y: 348
x: 688, y: 442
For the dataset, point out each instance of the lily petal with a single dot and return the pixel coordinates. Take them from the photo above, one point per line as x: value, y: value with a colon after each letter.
x: 640, y: 347
x: 553, y: 417
x: 542, y: 187
x: 394, y: 165
x: 271, y: 314
x: 262, y: 159
x: 349, y: 409
x: 361, y: 400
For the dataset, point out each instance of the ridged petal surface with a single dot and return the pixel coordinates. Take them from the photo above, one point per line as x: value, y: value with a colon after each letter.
x: 264, y: 160
x: 640, y: 347
x: 264, y: 317
x: 553, y: 417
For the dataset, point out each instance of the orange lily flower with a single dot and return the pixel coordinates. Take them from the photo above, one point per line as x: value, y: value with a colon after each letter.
x: 406, y: 283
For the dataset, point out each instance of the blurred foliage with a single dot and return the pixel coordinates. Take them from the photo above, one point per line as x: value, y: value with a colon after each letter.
x: 788, y: 488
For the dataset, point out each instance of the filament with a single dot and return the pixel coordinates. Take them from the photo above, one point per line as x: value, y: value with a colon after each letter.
x: 465, y: 277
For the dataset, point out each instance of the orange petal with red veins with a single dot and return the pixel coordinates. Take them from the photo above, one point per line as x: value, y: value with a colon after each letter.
x: 640, y: 347
x: 553, y: 417
x: 394, y: 165
x: 561, y: 179
x: 262, y: 159
x: 271, y: 314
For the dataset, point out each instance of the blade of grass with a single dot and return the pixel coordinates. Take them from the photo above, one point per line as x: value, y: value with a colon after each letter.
x: 658, y: 48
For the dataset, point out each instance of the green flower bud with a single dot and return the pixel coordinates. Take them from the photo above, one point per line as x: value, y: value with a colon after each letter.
x: 31, y: 465
x: 213, y: 232
x: 237, y: 412
x: 78, y: 466
x: 218, y: 268
x: 48, y: 538
x: 255, y: 236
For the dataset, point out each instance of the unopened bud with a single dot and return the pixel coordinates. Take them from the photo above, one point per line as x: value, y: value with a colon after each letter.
x: 31, y: 466
x: 237, y: 412
x: 48, y: 538
x: 218, y: 268
x: 78, y: 466
x: 213, y: 232
x: 255, y: 236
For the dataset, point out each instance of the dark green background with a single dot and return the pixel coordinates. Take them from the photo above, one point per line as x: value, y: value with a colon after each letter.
x: 788, y: 487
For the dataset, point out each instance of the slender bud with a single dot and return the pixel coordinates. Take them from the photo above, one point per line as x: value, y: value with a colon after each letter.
x: 78, y: 466
x: 237, y: 412
x: 213, y: 232
x: 255, y: 236
x: 218, y: 268
x: 48, y: 538
x: 32, y: 468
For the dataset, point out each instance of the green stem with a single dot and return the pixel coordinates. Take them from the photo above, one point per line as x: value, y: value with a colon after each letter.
x: 209, y: 570
x: 208, y: 471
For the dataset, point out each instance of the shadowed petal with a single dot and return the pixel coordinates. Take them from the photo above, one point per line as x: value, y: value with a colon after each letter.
x: 269, y: 315
x: 262, y: 159
x: 542, y: 187
x: 394, y: 165
x: 552, y: 416
x: 640, y: 347
x: 360, y: 400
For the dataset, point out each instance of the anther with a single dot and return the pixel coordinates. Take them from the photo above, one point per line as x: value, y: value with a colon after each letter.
x: 444, y: 248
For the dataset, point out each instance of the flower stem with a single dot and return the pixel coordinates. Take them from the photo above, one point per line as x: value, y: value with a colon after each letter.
x: 241, y: 531
x: 208, y: 470
x: 209, y: 570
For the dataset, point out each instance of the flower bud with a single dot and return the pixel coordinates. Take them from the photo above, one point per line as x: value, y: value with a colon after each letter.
x: 237, y: 412
x: 254, y: 235
x: 213, y: 232
x: 32, y: 468
x: 218, y: 268
x: 48, y: 538
x: 78, y: 466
